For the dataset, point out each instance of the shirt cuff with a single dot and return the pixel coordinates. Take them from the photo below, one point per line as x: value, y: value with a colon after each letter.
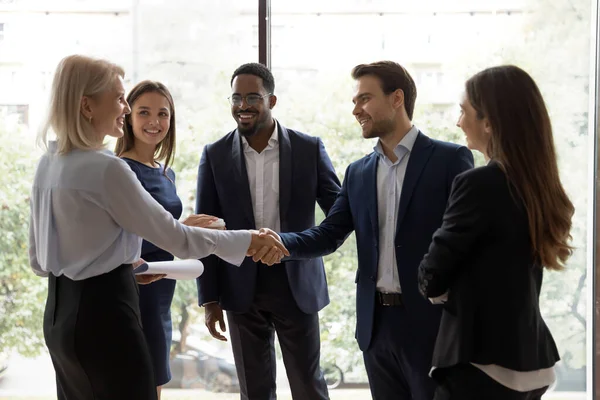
x: 440, y: 299
x: 232, y: 246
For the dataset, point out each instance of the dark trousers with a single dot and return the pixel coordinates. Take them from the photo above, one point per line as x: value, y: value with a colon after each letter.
x: 466, y: 382
x: 93, y: 331
x: 252, y: 339
x: 399, y: 357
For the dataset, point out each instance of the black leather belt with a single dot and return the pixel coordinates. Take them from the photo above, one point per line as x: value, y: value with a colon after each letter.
x: 389, y: 299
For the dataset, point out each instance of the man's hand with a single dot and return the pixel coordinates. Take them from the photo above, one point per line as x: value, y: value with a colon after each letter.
x: 269, y: 256
x: 146, y: 279
x: 138, y: 263
x: 199, y: 220
x: 213, y: 313
x: 266, y: 246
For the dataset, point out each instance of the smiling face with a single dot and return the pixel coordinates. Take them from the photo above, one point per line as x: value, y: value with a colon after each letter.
x: 251, y: 104
x: 108, y: 110
x: 151, y: 118
x: 476, y: 129
x: 373, y: 109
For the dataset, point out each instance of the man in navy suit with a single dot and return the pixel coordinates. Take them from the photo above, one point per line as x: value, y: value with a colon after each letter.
x: 265, y: 175
x: 394, y: 199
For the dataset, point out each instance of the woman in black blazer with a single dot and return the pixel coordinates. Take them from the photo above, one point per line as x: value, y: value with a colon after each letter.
x: 505, y: 222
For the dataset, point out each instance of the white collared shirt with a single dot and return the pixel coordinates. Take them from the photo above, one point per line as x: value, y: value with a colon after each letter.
x: 390, y: 178
x: 263, y: 179
x: 89, y: 213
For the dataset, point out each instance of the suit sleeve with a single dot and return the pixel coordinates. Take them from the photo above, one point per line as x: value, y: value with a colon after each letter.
x: 328, y: 236
x: 207, y: 202
x: 328, y: 182
x: 465, y: 220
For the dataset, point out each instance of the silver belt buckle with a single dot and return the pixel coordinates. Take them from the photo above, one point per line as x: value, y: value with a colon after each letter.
x: 384, y: 302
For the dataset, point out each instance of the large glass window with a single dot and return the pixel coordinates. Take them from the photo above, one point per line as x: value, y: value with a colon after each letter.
x: 193, y: 46
x: 316, y: 44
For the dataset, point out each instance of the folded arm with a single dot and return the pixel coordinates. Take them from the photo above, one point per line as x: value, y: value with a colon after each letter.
x: 465, y: 220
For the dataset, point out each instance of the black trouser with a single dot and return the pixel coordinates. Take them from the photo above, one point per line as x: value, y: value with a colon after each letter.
x: 252, y: 334
x: 467, y: 382
x: 399, y: 357
x: 93, y: 331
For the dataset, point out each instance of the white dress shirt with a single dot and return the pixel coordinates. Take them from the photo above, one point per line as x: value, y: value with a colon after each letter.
x: 263, y: 179
x: 89, y: 213
x: 390, y: 177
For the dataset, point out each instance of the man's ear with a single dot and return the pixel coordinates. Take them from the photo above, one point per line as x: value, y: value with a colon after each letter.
x: 272, y: 101
x: 398, y: 98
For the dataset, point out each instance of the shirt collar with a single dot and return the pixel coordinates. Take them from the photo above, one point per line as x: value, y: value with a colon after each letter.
x: 273, y: 140
x: 407, y: 142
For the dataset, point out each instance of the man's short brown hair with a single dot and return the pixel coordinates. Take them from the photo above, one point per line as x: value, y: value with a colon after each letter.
x: 392, y: 76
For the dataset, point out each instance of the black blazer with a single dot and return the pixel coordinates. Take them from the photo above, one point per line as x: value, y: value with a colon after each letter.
x: 482, y: 256
x: 306, y: 177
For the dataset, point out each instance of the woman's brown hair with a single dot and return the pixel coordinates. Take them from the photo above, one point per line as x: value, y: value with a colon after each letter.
x: 165, y: 150
x: 522, y: 143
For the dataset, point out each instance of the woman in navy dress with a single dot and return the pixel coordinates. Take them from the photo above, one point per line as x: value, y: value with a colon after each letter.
x: 149, y: 135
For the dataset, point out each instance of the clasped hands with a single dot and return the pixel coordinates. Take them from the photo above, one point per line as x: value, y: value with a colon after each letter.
x: 266, y: 247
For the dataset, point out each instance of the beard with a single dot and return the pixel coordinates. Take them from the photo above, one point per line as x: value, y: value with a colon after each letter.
x: 379, y: 128
x: 248, y: 130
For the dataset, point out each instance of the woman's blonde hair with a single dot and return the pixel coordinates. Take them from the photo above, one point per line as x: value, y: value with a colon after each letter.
x: 76, y: 76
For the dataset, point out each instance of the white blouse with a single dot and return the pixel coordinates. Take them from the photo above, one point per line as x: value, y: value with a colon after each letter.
x: 89, y: 214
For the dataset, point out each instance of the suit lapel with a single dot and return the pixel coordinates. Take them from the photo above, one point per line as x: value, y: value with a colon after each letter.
x: 418, y: 159
x: 285, y: 175
x: 370, y: 191
x: 241, y: 178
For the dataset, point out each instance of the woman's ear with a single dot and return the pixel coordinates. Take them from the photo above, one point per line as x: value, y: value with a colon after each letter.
x: 86, y: 107
x: 487, y: 127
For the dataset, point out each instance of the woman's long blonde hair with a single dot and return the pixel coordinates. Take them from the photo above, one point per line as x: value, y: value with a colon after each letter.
x: 76, y: 76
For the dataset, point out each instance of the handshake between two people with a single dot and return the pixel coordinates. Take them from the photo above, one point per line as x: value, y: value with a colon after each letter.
x: 265, y: 246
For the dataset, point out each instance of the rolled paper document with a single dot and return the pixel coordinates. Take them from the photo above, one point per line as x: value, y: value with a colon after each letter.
x: 179, y: 269
x: 220, y: 223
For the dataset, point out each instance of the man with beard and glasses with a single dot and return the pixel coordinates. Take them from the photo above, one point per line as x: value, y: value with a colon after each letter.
x: 394, y: 200
x: 263, y: 174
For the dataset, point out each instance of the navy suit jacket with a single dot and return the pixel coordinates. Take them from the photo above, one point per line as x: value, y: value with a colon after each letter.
x: 431, y: 169
x: 306, y: 177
